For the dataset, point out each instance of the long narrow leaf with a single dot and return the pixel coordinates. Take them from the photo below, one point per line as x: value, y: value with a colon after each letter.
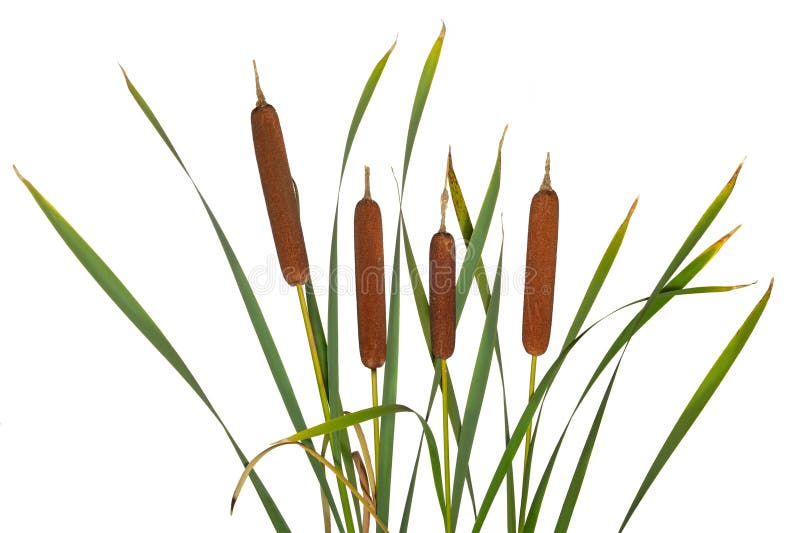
x: 382, y: 411
x: 673, y: 288
x: 467, y: 229
x: 126, y: 302
x: 701, y: 397
x: 341, y: 448
x: 390, y: 376
x: 260, y: 327
x: 423, y: 89
x: 478, y: 237
x: 477, y: 391
x: 692, y: 239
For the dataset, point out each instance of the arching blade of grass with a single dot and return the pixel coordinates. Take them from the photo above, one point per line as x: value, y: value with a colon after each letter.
x: 547, y: 379
x: 674, y: 287
x: 691, y: 241
x: 126, y: 302
x: 390, y: 376
x: 701, y: 397
x: 260, y: 327
x: 340, y: 442
x: 478, y: 236
x: 465, y: 225
x: 382, y: 411
x: 421, y: 96
x: 477, y: 390
x: 365, y: 499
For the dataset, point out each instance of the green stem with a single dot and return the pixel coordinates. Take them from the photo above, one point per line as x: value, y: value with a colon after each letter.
x: 323, y: 395
x: 375, y: 423
x: 445, y: 430
x: 526, y: 460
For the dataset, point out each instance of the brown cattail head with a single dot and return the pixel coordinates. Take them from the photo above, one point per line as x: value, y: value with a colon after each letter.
x: 370, y: 291
x: 279, y: 190
x: 442, y: 287
x: 540, y: 271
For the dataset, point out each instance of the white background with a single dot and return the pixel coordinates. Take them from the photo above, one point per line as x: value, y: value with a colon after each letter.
x: 98, y: 433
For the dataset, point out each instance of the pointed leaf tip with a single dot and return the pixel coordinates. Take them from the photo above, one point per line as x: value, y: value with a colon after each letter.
x: 633, y: 207
x: 502, y: 140
x: 728, y: 235
x: 444, y: 29
x: 732, y: 181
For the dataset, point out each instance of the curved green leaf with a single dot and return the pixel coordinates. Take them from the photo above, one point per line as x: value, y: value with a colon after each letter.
x: 691, y: 240
x: 393, y: 335
x: 130, y: 306
x: 340, y: 443
x: 701, y: 397
x: 260, y: 327
x: 423, y: 88
x: 382, y: 411
x: 594, y: 287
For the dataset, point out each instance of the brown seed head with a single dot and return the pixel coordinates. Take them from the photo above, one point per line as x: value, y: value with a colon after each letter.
x: 442, y: 288
x: 540, y: 271
x: 280, y: 194
x: 370, y: 290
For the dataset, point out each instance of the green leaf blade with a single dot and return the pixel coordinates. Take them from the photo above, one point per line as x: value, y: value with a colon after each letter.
x: 132, y: 309
x: 700, y: 398
x: 477, y: 390
x: 421, y: 97
x: 390, y: 375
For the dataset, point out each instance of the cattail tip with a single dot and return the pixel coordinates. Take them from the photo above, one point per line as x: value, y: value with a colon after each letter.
x: 546, y: 185
x: 260, y: 100
x: 367, y: 194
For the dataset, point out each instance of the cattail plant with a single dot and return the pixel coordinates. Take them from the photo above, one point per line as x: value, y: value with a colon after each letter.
x: 283, y: 208
x: 446, y: 302
x: 540, y: 274
x: 370, y: 290
x: 442, y: 289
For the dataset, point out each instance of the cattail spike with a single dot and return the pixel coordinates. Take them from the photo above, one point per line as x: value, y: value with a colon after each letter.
x: 366, y: 183
x: 546, y: 185
x: 261, y: 101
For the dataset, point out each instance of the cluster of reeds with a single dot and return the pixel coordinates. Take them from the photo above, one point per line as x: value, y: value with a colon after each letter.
x: 363, y: 477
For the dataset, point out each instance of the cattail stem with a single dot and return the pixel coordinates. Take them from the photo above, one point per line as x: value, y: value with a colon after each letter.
x: 375, y: 423
x: 323, y: 395
x: 446, y: 432
x: 531, y: 388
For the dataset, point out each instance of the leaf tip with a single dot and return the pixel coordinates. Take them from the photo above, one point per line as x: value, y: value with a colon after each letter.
x: 633, y: 206
x: 729, y: 234
x: 233, y: 504
x: 441, y: 33
x: 502, y: 140
x: 732, y: 181
x: 21, y: 177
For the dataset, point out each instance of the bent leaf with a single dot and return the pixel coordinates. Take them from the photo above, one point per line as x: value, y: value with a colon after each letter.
x: 701, y: 397
x: 130, y: 306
